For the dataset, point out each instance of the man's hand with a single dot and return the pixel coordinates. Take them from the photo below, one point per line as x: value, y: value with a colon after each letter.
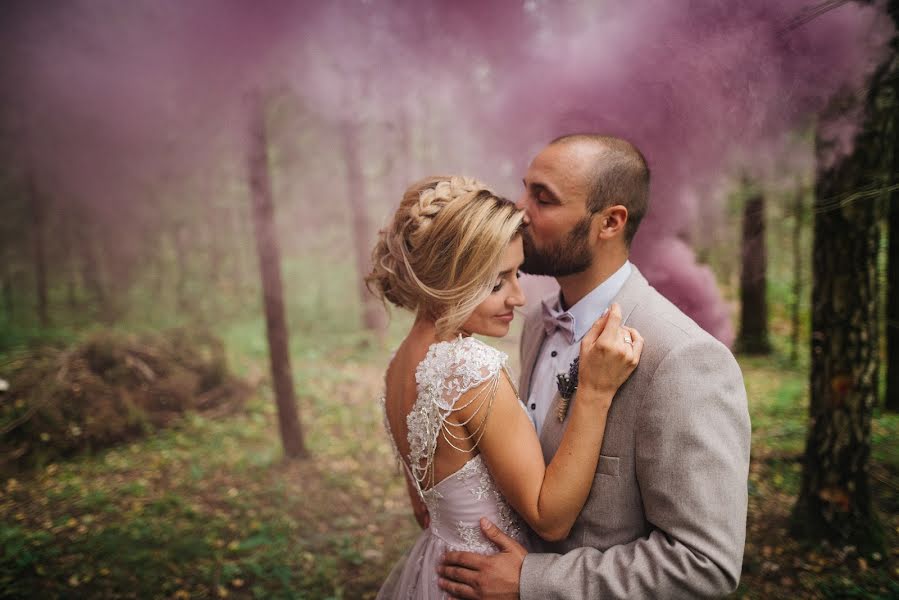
x: 474, y: 576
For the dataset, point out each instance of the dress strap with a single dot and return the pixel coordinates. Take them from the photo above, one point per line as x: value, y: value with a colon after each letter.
x: 448, y: 372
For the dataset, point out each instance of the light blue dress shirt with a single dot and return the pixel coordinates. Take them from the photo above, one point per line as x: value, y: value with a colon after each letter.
x: 558, y: 351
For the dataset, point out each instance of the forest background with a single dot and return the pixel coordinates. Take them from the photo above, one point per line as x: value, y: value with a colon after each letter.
x: 190, y: 365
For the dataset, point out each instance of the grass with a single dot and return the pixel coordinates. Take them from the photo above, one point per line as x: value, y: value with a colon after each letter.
x: 776, y: 565
x: 209, y: 509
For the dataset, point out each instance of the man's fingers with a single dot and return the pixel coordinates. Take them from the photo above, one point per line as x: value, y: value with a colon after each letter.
x: 458, y: 574
x: 610, y: 333
x: 590, y: 337
x: 457, y: 590
x: 469, y: 560
x: 639, y: 342
x: 495, y: 535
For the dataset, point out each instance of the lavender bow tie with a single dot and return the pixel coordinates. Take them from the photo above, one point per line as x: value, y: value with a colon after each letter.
x: 563, y: 321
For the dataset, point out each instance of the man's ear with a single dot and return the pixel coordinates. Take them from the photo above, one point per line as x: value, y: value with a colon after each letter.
x: 612, y: 221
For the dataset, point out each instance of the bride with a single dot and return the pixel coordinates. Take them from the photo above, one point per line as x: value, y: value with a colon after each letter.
x: 469, y: 449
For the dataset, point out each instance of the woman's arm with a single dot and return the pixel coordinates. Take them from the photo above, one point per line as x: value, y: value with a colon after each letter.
x: 550, y: 497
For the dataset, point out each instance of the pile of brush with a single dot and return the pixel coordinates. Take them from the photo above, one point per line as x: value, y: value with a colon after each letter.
x: 109, y: 389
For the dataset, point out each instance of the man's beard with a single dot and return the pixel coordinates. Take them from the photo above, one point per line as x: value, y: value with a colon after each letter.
x: 567, y: 257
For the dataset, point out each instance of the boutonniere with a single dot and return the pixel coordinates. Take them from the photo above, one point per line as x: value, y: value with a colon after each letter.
x: 567, y: 383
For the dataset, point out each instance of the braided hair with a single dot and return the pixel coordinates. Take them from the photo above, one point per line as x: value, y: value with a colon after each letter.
x: 440, y: 253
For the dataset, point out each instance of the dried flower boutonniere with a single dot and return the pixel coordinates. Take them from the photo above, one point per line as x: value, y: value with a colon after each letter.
x: 567, y: 383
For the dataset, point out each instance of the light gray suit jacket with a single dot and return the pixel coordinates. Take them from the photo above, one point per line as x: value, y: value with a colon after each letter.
x: 666, y: 517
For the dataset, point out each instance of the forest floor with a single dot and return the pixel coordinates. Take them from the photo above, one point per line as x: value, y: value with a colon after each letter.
x: 209, y: 509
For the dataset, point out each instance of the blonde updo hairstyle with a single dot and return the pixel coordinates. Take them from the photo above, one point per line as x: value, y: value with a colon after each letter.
x: 439, y: 256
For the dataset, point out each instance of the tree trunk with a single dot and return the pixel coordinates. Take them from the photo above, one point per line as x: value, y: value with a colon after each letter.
x: 835, y: 498
x: 39, y: 250
x: 6, y: 274
x: 753, y: 338
x: 90, y: 273
x: 67, y: 240
x: 892, y: 308
x: 114, y: 261
x: 373, y: 317
x: 272, y: 288
x: 892, y: 280
x: 797, y: 274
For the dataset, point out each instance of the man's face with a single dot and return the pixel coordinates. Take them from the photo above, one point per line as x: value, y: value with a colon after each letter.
x: 557, y: 240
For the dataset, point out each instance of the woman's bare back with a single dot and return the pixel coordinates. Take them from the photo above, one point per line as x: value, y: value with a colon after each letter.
x: 400, y: 395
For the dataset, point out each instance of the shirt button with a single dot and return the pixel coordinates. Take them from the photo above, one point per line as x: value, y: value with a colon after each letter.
x: 553, y: 353
x: 533, y: 406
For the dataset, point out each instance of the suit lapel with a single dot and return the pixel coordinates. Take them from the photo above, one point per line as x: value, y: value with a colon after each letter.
x: 533, y: 340
x: 631, y: 292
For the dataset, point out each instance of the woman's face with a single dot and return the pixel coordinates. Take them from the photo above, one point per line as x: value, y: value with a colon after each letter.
x: 494, y: 315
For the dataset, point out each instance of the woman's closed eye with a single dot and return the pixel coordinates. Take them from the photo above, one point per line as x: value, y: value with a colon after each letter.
x: 499, y: 284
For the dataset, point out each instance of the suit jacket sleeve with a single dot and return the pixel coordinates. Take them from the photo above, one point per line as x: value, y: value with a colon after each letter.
x: 692, y: 462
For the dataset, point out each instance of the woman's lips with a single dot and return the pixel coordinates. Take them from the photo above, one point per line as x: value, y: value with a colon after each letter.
x: 507, y: 318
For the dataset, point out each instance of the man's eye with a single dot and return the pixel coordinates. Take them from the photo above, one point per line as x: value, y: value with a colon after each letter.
x: 518, y: 274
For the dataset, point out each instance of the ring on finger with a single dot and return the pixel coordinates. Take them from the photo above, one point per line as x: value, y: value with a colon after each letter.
x: 628, y: 339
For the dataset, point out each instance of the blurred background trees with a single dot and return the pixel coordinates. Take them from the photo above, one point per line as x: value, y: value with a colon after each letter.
x: 140, y: 193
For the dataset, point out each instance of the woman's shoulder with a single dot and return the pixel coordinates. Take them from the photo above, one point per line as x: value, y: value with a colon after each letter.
x: 467, y: 360
x: 462, y: 351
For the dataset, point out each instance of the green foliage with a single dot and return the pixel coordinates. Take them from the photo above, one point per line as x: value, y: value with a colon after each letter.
x: 108, y: 389
x: 208, y: 507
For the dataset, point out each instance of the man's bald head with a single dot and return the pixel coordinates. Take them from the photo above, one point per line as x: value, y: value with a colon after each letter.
x: 617, y: 174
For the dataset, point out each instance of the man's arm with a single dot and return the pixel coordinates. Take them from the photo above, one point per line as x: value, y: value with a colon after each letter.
x: 692, y: 461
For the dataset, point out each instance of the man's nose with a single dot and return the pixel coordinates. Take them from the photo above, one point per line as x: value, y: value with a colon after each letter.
x: 522, y: 205
x: 522, y: 202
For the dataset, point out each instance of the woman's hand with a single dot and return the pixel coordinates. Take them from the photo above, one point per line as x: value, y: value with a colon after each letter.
x: 610, y: 352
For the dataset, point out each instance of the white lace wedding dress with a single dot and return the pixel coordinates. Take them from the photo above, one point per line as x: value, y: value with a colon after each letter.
x: 457, y: 502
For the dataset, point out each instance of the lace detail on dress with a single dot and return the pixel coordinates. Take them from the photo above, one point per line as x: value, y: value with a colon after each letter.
x: 509, y: 521
x: 483, y: 487
x: 449, y: 370
x: 474, y: 540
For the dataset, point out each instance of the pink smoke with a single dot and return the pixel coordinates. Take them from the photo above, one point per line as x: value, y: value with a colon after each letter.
x: 112, y: 103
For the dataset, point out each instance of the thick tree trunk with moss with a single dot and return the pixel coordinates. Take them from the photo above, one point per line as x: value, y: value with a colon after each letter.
x: 753, y: 338
x: 373, y: 317
x: 892, y: 312
x: 835, y: 498
x: 891, y: 132
x: 272, y: 288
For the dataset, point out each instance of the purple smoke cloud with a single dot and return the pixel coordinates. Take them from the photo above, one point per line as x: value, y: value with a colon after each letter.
x: 107, y: 99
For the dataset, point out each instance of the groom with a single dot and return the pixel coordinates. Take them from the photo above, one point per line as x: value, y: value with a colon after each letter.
x: 666, y: 517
